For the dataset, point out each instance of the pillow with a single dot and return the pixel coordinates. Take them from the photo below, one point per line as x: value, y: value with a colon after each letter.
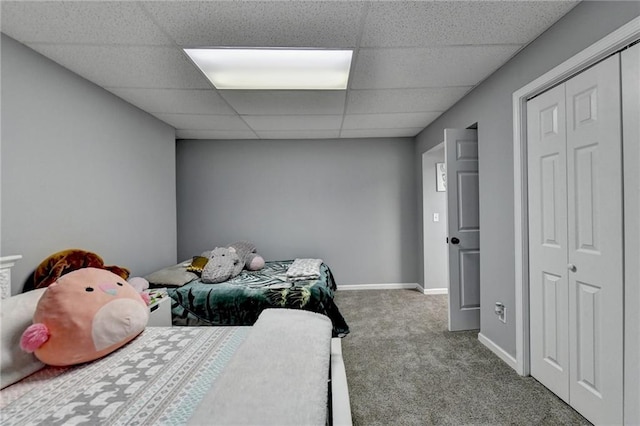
x: 84, y: 315
x: 197, y: 264
x: 172, y: 276
x: 16, y: 314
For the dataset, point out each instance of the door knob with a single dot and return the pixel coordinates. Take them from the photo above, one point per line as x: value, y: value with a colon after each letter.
x: 455, y: 240
x: 572, y: 267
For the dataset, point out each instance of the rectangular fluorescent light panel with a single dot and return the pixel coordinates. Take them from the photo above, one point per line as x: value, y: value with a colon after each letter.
x: 274, y: 69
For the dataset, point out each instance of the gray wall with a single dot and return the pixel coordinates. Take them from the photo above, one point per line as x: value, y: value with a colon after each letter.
x: 350, y: 202
x: 81, y: 169
x: 490, y: 105
x: 435, y: 248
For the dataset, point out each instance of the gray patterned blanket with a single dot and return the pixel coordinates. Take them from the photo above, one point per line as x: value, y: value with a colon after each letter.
x: 240, y: 300
x: 157, y: 379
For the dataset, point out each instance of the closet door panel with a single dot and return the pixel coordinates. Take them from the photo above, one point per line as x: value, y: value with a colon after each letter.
x: 548, y: 284
x: 595, y: 241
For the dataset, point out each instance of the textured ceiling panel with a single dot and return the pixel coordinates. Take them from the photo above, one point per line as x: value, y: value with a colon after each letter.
x: 293, y: 122
x: 404, y: 100
x: 285, y: 102
x: 427, y: 67
x: 380, y: 133
x: 214, y: 134
x: 179, y: 101
x: 203, y: 122
x: 135, y: 66
x: 388, y: 121
x: 292, y: 24
x: 96, y: 22
x: 299, y: 134
x: 451, y: 23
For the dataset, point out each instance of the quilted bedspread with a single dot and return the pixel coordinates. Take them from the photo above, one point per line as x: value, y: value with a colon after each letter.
x: 240, y: 300
x: 159, y: 378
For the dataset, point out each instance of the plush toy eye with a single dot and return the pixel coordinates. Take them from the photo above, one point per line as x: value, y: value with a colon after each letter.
x: 88, y: 289
x: 120, y: 284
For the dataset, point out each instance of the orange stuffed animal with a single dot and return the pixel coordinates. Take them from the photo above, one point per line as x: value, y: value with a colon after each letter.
x: 63, y: 262
x: 84, y: 315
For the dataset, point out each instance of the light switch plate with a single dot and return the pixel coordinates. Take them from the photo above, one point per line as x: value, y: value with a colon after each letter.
x: 436, y: 217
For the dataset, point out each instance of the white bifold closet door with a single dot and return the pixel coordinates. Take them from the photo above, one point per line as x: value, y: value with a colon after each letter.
x: 576, y: 241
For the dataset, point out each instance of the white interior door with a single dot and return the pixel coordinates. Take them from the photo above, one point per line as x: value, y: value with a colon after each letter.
x: 576, y: 241
x: 548, y: 282
x: 463, y: 228
x: 594, y: 160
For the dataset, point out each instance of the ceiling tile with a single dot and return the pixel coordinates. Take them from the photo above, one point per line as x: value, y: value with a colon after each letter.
x: 299, y: 134
x: 283, y: 102
x: 380, y: 133
x: 97, y: 22
x: 199, y: 101
x: 262, y: 23
x: 441, y: 66
x: 458, y: 22
x: 389, y: 121
x: 127, y: 66
x: 203, y: 122
x: 215, y: 134
x: 293, y: 122
x: 404, y: 100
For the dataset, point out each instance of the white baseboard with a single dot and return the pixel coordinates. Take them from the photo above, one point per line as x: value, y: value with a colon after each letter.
x: 394, y: 286
x: 498, y: 351
x: 436, y: 291
x: 384, y: 286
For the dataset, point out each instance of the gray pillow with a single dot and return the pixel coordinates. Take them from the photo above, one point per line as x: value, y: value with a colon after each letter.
x: 172, y: 276
x: 16, y: 314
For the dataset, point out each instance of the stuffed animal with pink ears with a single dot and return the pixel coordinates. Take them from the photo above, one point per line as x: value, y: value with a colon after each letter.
x: 84, y: 315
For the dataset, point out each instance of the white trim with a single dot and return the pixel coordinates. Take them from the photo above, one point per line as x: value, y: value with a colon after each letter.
x: 9, y: 261
x: 498, y: 351
x: 340, y: 406
x: 6, y: 263
x: 587, y: 57
x: 385, y: 286
x: 436, y: 291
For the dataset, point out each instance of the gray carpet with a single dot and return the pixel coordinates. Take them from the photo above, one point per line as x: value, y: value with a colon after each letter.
x: 405, y: 368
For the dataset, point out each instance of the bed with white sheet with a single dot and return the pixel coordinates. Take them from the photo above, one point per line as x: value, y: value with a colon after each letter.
x: 286, y: 369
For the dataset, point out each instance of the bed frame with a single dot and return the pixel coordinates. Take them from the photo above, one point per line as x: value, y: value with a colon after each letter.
x: 339, y: 400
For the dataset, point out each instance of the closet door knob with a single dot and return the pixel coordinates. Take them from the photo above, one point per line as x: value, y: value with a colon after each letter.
x: 572, y: 267
x: 455, y: 240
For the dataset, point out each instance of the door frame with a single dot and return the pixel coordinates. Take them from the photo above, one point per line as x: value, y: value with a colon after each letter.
x: 425, y: 218
x: 608, y: 45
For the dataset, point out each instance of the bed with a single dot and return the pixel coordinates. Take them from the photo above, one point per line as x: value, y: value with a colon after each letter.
x: 240, y: 300
x: 185, y: 375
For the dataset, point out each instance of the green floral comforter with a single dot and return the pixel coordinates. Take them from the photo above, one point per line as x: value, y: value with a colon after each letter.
x: 240, y: 300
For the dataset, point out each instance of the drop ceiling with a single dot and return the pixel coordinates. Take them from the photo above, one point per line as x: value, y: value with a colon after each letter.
x: 412, y: 60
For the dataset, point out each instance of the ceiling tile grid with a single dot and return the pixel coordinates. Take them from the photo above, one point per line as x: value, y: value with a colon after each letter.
x: 177, y: 101
x: 203, y: 122
x: 404, y: 100
x: 286, y: 102
x: 293, y: 122
x: 127, y: 66
x: 419, y: 67
x: 412, y: 59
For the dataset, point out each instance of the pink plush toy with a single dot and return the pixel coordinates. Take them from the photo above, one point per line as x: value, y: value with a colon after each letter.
x: 84, y: 315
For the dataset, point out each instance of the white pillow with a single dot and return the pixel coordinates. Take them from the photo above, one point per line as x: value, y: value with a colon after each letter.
x: 16, y: 314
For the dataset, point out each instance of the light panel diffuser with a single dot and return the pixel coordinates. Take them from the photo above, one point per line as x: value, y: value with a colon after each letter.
x: 274, y: 69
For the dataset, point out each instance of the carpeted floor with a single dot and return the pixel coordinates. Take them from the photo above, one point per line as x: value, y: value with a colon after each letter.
x: 405, y: 368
